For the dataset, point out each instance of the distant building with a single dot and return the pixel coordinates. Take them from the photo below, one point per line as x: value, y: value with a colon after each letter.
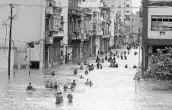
x: 136, y: 28
x: 121, y: 13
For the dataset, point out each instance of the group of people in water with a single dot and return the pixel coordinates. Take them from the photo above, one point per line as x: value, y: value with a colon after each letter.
x: 69, y: 88
x: 112, y: 58
x: 59, y: 96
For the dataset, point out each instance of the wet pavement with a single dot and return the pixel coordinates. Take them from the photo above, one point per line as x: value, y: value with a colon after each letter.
x: 113, y: 89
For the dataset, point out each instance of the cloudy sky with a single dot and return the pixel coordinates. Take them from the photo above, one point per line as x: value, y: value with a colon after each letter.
x: 135, y: 3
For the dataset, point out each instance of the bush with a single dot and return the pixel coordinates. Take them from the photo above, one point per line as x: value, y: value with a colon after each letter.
x: 161, y: 64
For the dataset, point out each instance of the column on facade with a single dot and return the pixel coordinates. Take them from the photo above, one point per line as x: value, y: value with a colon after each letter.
x: 81, y: 49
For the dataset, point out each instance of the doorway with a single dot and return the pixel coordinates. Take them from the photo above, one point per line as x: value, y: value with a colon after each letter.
x: 34, y: 65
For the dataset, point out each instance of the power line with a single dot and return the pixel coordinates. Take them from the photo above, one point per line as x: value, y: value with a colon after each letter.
x: 16, y: 41
x: 91, y: 7
x: 43, y: 6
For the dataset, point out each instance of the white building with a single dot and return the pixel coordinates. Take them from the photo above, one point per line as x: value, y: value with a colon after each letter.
x: 123, y: 7
x: 121, y: 11
x: 28, y: 25
x: 157, y: 27
x: 136, y: 23
x: 95, y: 5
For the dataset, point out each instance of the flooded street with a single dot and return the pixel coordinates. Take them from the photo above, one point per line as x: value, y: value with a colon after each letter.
x: 113, y: 89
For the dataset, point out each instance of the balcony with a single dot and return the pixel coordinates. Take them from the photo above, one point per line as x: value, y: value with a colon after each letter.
x: 54, y: 28
x: 58, y: 35
x: 87, y: 11
x: 49, y: 10
x: 75, y: 34
x: 97, y: 29
x: 55, y: 24
x: 107, y: 36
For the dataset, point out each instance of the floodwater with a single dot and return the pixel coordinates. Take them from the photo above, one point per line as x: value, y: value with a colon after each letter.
x: 113, y: 89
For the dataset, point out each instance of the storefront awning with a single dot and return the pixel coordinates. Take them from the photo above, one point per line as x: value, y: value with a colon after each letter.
x: 159, y: 41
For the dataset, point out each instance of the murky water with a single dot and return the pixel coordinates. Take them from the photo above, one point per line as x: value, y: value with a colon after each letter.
x: 113, y: 89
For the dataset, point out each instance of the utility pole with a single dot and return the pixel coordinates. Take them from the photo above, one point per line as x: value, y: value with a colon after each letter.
x: 9, y: 52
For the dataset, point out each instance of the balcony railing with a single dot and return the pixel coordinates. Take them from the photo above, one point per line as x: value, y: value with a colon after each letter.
x: 55, y: 24
x: 75, y: 34
x: 59, y: 34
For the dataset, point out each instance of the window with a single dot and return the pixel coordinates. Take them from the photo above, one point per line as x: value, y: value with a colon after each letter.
x: 161, y: 23
x: 127, y: 11
x: 162, y: 33
x: 127, y: 5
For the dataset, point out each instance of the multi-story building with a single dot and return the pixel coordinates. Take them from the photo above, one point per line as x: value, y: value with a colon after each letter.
x: 121, y: 11
x: 64, y: 13
x: 87, y: 28
x: 28, y: 25
x: 106, y: 23
x: 74, y: 29
x: 157, y: 27
x: 80, y: 29
x: 54, y: 33
x: 100, y: 23
x: 96, y: 39
x: 135, y: 36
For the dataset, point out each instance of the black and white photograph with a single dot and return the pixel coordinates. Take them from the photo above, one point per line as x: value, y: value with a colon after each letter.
x: 85, y: 54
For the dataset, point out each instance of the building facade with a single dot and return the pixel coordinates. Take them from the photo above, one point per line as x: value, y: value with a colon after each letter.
x: 28, y: 25
x: 157, y: 28
x: 121, y: 11
x: 135, y: 36
x: 74, y: 29
x: 106, y: 23
x: 54, y: 34
x: 64, y: 13
x: 85, y: 28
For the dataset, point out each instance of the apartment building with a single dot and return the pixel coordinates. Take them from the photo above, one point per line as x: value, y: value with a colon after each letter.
x: 121, y: 13
x: 54, y: 34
